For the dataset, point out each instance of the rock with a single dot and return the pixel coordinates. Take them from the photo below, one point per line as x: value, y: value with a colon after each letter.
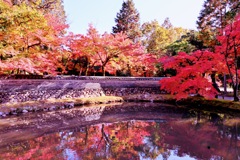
x: 61, y: 107
x: 147, y: 95
x: 24, y: 111
x: 13, y: 113
x: 81, y: 96
x: 91, y: 86
x: 45, y: 109
x: 35, y: 109
x: 69, y: 105
x: 13, y: 109
x: 52, y: 108
x: 28, y: 108
x: 19, y: 110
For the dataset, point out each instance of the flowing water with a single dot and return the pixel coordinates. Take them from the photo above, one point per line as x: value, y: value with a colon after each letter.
x: 124, y: 131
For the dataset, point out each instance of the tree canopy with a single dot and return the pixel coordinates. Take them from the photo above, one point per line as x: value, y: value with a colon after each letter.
x: 34, y: 40
x: 30, y: 40
x: 127, y: 21
x: 193, y: 70
x: 156, y: 37
x: 214, y: 16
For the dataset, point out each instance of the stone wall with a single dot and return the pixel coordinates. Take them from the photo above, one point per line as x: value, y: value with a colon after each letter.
x: 14, y: 90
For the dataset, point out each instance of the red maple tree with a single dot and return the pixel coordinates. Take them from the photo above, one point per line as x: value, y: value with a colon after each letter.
x: 230, y: 48
x: 192, y: 71
x: 108, y: 52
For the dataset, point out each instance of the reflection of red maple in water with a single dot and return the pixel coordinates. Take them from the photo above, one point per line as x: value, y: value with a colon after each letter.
x: 128, y: 140
x: 115, y: 140
x: 203, y: 142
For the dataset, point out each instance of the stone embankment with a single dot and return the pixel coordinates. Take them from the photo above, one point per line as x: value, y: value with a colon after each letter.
x: 18, y: 96
x: 42, y: 89
x: 13, y: 91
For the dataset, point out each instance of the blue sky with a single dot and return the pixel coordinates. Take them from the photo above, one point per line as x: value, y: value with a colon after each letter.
x: 101, y: 13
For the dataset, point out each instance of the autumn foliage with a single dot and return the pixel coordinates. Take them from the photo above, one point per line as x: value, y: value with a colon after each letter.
x: 193, y: 70
x: 108, y: 53
x: 35, y: 42
x: 30, y: 41
x: 135, y: 140
x: 230, y: 48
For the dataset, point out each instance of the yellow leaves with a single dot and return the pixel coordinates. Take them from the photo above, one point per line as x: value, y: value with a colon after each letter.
x: 10, y: 51
x: 26, y: 36
x: 3, y: 6
x: 156, y: 38
x: 20, y: 19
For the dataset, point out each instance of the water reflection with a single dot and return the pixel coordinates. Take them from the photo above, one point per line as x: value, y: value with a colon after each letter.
x: 193, y: 135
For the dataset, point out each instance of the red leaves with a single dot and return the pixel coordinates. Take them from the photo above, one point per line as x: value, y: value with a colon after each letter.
x: 191, y: 69
x: 109, y: 52
x: 183, y: 88
x: 200, y: 61
x: 230, y: 39
x: 39, y: 40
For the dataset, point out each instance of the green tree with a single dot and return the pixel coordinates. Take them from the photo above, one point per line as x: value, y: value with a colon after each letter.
x: 187, y: 43
x: 157, y: 37
x: 214, y: 16
x: 127, y: 21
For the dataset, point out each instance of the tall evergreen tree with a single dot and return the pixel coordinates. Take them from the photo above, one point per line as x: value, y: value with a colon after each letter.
x: 127, y: 21
x: 214, y: 16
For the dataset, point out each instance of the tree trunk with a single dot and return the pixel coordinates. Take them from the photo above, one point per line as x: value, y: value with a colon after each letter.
x: 236, y: 74
x: 103, y: 70
x: 225, y: 85
x: 214, y: 84
x: 80, y: 72
x: 86, y: 73
x: 235, y: 93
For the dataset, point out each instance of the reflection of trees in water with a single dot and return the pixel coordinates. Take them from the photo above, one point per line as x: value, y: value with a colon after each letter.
x: 198, y: 134
x: 205, y: 136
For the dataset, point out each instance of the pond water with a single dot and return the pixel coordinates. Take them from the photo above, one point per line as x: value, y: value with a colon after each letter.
x: 134, y: 131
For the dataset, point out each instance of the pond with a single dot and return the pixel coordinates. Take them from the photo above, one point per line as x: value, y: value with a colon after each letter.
x: 141, y: 131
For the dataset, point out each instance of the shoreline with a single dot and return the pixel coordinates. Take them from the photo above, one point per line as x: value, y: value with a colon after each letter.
x: 18, y: 108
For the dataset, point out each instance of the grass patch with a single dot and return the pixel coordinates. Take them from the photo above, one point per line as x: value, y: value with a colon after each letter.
x: 49, y: 102
x: 97, y: 100
x: 213, y: 104
x: 150, y: 98
x: 195, y: 102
